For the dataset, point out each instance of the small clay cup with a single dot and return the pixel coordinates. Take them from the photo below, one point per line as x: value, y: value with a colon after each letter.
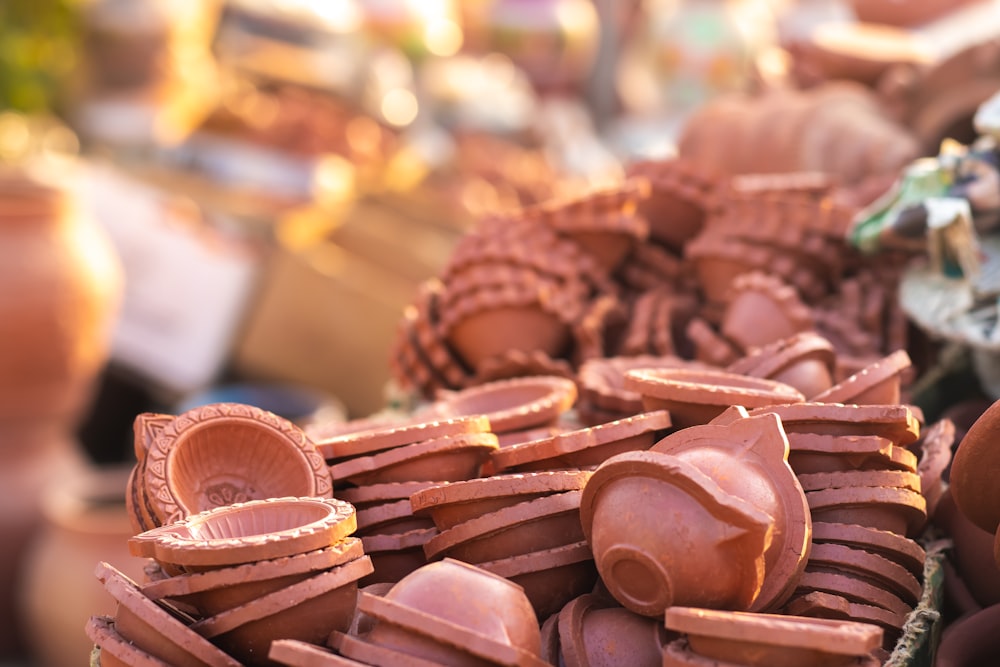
x: 514, y: 404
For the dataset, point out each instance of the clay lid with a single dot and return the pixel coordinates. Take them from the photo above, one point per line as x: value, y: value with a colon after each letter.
x: 895, y: 422
x: 827, y: 606
x: 852, y: 478
x: 973, y: 472
x: 456, y: 502
x: 101, y: 630
x: 295, y: 653
x: 386, y: 437
x: 747, y: 458
x: 877, y: 383
x: 250, y: 531
x: 587, y: 446
x: 761, y: 308
x: 443, y: 459
x: 154, y: 629
x: 602, y: 381
x: 870, y: 566
x: 514, y: 404
x: 542, y: 523
x: 225, y: 453
x: 371, y: 494
x: 736, y: 636
x: 804, y: 360
x: 692, y: 394
x: 852, y: 588
x: 896, y: 548
x: 897, y: 510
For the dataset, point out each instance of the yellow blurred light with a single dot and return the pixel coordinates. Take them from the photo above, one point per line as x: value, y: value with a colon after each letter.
x: 443, y: 37
x: 399, y: 107
x: 333, y: 181
x: 14, y: 135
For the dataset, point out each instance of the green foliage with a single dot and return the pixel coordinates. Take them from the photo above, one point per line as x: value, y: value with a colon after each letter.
x: 39, y: 46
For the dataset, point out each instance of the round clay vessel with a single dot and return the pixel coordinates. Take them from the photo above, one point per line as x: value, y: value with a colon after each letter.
x: 896, y: 510
x: 381, y: 438
x: 852, y: 588
x: 873, y: 567
x: 697, y: 396
x: 805, y: 361
x: 396, y: 555
x: 896, y: 548
x: 512, y: 405
x: 820, y: 453
x: 594, y: 632
x: 875, y: 384
x: 972, y: 554
x: 824, y: 605
x: 492, y: 326
x: 602, y: 380
x: 971, y: 641
x: 973, y: 472
x: 718, y: 563
x: 226, y: 453
x: 897, y: 423
x: 762, y: 309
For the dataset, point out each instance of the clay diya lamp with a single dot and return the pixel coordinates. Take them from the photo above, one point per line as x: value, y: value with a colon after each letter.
x: 853, y: 589
x: 651, y: 266
x: 380, y: 438
x: 396, y: 555
x: 834, y: 607
x: 717, y: 262
x: 636, y: 338
x: 894, y: 509
x: 710, y: 347
x: 295, y: 653
x: 594, y: 631
x: 452, y: 504
x: 153, y: 628
x: 512, y: 405
x: 444, y: 459
x: 543, y: 523
x: 681, y: 193
x: 815, y: 453
x: 747, y: 459
x: 805, y: 361
x: 697, y: 396
x: 437, y: 613
x: 876, y: 384
x: 225, y: 453
x: 870, y: 566
x: 585, y: 447
x: 897, y: 423
x: 934, y: 452
x: 372, y: 495
x: 308, y: 610
x: 214, y: 591
x: 550, y: 577
x: 718, y: 562
x: 388, y: 518
x: 897, y: 548
x: 973, y: 472
x: 762, y: 309
x: 113, y: 650
x: 514, y: 363
x: 601, y: 381
x: 247, y: 532
x: 740, y: 638
x: 842, y: 479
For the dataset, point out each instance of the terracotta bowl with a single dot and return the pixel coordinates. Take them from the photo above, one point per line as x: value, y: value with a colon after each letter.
x: 835, y: 607
x: 805, y: 361
x: 247, y: 532
x: 383, y: 437
x: 972, y: 478
x: 592, y: 631
x: 717, y: 562
x: 512, y: 405
x: 876, y: 384
x: 971, y: 641
x: 226, y: 453
x: 295, y: 653
x: 897, y: 423
x: 697, y: 396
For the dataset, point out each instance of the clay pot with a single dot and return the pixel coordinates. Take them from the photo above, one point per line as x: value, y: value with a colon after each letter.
x: 762, y: 309
x: 972, y: 555
x: 591, y: 631
x: 512, y: 405
x: 835, y: 607
x: 892, y: 509
x: 892, y: 546
x: 396, y: 555
x: 896, y: 423
x: 973, y: 486
x: 971, y: 641
x: 601, y: 381
x: 815, y: 453
x: 876, y: 384
x: 852, y: 588
x: 805, y: 361
x: 679, y: 198
x: 870, y: 566
x: 719, y: 562
x: 697, y: 396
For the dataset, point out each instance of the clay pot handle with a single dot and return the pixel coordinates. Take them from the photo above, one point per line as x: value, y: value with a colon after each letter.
x: 146, y: 428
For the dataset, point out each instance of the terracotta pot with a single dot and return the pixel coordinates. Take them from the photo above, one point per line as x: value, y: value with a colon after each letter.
x: 973, y: 555
x: 971, y: 641
x: 805, y: 361
x: 972, y: 481
x: 512, y: 405
x: 593, y: 632
x: 878, y: 383
x: 396, y: 555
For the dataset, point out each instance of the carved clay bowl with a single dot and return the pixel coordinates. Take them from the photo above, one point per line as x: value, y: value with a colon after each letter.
x: 718, y: 561
x: 514, y: 404
x: 747, y: 458
x: 456, y: 502
x: 876, y: 384
x: 381, y: 438
x: 152, y: 629
x: 697, y: 396
x: 222, y: 454
x: 247, y: 532
x: 396, y: 555
x: 772, y: 640
x: 593, y: 631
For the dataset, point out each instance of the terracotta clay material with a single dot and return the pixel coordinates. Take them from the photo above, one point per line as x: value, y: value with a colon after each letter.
x: 445, y: 459
x: 827, y: 606
x: 247, y: 532
x: 853, y: 589
x: 679, y: 653
x: 897, y: 423
x: 934, y: 453
x: 973, y: 555
x: 696, y: 396
x: 535, y: 525
x: 772, y: 640
x: 971, y: 641
x: 585, y: 447
x: 394, y: 517
x: 896, y: 548
x: 380, y: 439
x: 376, y: 494
x: 816, y: 453
x: 115, y: 650
x: 225, y: 453
x: 602, y: 381
x: 762, y: 309
x: 515, y: 404
x: 896, y: 510
x: 874, y: 568
x: 681, y: 194
x: 877, y: 384
x: 592, y: 631
x: 396, y: 555
x: 856, y: 478
x: 154, y: 630
x: 295, y: 653
x: 457, y: 502
x: 747, y: 458
x: 362, y: 652
x: 719, y: 562
x: 805, y: 361
x: 551, y: 577
x: 973, y: 472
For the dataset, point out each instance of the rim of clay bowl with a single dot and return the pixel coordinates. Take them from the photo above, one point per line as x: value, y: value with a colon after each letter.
x: 840, y: 479
x: 887, y: 573
x: 498, y: 486
x: 379, y: 439
x: 536, y: 561
x: 302, y: 524
x: 297, y: 653
x: 771, y: 359
x: 854, y: 588
x: 898, y: 548
x: 709, y: 386
x: 910, y: 504
x: 895, y: 422
x: 850, y: 388
x: 411, y: 539
x: 602, y: 379
x: 101, y: 630
x: 172, y: 454
x: 360, y: 496
x: 816, y: 602
x: 126, y: 592
x: 367, y: 653
x: 539, y: 399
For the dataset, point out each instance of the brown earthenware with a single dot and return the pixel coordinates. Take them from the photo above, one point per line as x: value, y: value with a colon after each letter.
x: 376, y: 494
x: 880, y: 571
x: 896, y: 548
x: 893, y: 509
x: 934, y: 453
x: 593, y: 631
x: 876, y: 384
x: 396, y: 555
x: 602, y: 381
x: 854, y: 589
x: 679, y: 653
x: 370, y: 441
x: 114, y: 650
x: 824, y: 605
x: 971, y: 641
x: 842, y: 479
x: 805, y: 361
x: 817, y: 453
x: 895, y: 422
x: 973, y: 472
x: 973, y: 553
x: 514, y: 404
x: 762, y: 309
x: 295, y: 653
x: 389, y: 518
x: 680, y: 196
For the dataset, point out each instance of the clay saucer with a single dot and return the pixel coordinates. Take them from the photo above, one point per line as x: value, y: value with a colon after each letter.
x: 805, y: 361
x: 225, y: 453
x: 853, y: 589
x: 843, y: 479
x: 247, y: 532
x: 870, y: 566
x: 395, y: 517
x: 718, y: 562
x: 814, y: 453
x: 876, y: 384
x: 153, y: 628
x: 834, y: 607
x: 382, y: 438
x: 973, y: 472
x: 895, y: 422
x: 456, y: 502
x: 896, y: 548
x: 534, y: 525
x: 602, y: 381
x: 585, y: 447
x: 513, y: 405
x: 375, y: 494
x: 396, y: 555
x: 893, y: 509
x: 696, y: 396
x: 551, y: 577
x: 593, y: 631
x: 445, y: 459
x: 761, y: 309
x: 113, y: 649
x: 214, y: 591
x: 771, y: 639
x: 308, y: 610
x: 747, y: 458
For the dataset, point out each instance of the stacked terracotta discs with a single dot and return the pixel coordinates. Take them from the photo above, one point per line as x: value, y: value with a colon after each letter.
x: 245, y: 574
